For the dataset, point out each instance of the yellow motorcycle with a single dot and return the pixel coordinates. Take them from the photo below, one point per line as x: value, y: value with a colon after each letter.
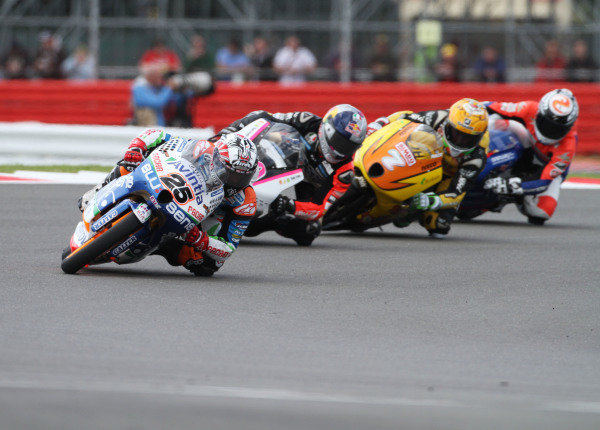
x: 392, y: 165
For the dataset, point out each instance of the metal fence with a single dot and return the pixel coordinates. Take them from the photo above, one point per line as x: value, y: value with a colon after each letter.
x: 118, y: 31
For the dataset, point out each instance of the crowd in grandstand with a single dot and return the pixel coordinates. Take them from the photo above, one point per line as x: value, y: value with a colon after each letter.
x: 295, y: 63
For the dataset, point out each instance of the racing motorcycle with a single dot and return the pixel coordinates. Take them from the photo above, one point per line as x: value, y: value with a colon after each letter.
x: 278, y: 147
x: 166, y: 195
x: 508, y: 144
x: 392, y: 165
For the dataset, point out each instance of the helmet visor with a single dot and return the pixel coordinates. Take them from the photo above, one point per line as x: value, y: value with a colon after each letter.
x: 550, y: 129
x: 219, y: 168
x: 460, y: 141
x: 337, y: 147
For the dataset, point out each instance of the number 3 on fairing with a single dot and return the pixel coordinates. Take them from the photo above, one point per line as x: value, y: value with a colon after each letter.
x: 178, y: 187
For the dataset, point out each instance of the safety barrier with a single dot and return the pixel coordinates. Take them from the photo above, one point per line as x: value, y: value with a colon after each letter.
x: 107, y: 102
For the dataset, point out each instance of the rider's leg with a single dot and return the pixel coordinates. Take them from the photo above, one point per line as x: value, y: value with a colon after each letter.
x: 541, y: 207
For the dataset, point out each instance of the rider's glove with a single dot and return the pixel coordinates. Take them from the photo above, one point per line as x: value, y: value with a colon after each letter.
x: 134, y: 155
x: 426, y: 202
x: 282, y: 205
x: 509, y: 186
x: 377, y: 125
x: 197, y: 239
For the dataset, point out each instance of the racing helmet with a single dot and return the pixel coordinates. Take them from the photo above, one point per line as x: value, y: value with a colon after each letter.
x: 557, y: 112
x: 235, y: 160
x: 341, y: 132
x: 465, y: 126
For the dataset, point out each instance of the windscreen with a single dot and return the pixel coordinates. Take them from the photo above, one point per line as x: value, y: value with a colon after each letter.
x: 279, y: 147
x: 204, y: 157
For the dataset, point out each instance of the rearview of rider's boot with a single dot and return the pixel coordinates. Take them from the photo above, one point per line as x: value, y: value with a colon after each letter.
x: 85, y: 200
x: 88, y: 196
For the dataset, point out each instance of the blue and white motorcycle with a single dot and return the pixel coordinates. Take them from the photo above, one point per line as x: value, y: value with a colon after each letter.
x: 166, y: 195
x: 508, y: 142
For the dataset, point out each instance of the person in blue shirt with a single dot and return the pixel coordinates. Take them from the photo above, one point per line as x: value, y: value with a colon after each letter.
x: 232, y: 63
x: 489, y: 67
x: 151, y: 94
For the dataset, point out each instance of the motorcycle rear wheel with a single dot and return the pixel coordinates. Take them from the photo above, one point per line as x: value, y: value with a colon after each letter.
x: 101, y: 243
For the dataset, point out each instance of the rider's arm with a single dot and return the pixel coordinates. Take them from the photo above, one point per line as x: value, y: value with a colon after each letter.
x: 311, y: 211
x: 519, y: 111
x: 239, y: 211
x: 304, y: 122
x: 432, y: 118
x: 139, y: 148
x: 466, y: 175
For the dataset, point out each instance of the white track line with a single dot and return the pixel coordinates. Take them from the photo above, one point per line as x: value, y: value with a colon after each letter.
x: 208, y: 391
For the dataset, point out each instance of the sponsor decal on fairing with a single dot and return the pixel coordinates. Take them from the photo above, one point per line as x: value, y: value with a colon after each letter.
x: 123, y: 246
x: 406, y: 153
x: 142, y: 212
x: 104, y: 220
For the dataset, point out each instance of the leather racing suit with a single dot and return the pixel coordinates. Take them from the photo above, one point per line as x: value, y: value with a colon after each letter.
x: 323, y: 182
x: 224, y: 227
x: 543, y: 167
x: 458, y: 173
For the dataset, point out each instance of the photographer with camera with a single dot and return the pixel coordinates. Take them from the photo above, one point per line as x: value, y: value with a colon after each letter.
x: 157, y: 96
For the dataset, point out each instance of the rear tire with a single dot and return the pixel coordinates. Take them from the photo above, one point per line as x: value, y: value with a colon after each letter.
x: 98, y: 245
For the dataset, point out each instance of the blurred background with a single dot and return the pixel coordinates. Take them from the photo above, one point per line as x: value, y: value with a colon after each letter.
x: 190, y: 63
x: 363, y: 40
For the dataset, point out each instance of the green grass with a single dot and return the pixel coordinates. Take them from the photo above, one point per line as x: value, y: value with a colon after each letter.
x: 584, y: 175
x: 10, y: 168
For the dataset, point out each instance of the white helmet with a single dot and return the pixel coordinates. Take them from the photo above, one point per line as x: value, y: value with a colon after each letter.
x: 557, y: 112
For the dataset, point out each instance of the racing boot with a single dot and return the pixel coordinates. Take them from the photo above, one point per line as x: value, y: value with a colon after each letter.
x: 437, y: 223
x: 87, y: 197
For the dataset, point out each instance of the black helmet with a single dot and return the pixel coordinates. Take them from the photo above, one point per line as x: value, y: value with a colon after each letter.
x: 557, y: 112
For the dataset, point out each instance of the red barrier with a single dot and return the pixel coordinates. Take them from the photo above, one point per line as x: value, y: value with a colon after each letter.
x: 107, y: 102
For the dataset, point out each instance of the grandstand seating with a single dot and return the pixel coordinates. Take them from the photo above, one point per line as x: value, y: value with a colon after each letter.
x: 107, y: 102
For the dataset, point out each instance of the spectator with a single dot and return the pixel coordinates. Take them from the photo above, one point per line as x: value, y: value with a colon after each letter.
x: 80, y: 65
x: 198, y: 59
x: 333, y: 61
x: 551, y: 67
x: 489, y: 67
x: 261, y: 58
x: 151, y: 94
x: 49, y: 57
x: 293, y: 62
x: 382, y: 62
x: 16, y: 62
x: 447, y: 69
x: 161, y: 55
x: 581, y: 66
x: 232, y: 63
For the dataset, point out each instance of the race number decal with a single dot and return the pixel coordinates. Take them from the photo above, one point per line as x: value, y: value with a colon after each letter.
x: 179, y: 187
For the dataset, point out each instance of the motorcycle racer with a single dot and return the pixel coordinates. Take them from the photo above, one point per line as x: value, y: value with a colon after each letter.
x: 326, y: 162
x: 234, y: 162
x: 463, y: 129
x: 551, y: 126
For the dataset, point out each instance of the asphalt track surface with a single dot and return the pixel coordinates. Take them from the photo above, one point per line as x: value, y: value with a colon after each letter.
x: 495, y: 327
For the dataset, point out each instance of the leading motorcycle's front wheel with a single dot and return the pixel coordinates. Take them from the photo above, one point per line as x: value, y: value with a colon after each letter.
x: 101, y: 243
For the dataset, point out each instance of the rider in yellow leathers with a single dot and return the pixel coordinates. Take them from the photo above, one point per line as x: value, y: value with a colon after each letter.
x: 463, y: 129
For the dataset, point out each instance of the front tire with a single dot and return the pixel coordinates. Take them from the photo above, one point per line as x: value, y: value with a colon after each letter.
x: 101, y: 243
